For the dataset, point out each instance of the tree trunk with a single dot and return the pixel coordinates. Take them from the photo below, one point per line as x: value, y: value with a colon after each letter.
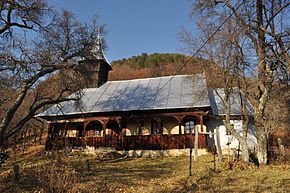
x: 263, y: 86
x: 35, y: 135
x: 11, y: 111
x: 2, y: 144
x: 262, y: 153
x: 262, y: 145
x: 245, y: 151
x: 41, y: 133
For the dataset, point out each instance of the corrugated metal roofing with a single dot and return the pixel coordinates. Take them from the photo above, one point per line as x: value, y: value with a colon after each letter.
x: 170, y: 92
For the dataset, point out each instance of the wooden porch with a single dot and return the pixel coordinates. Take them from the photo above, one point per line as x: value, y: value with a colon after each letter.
x: 138, y: 142
x: 111, y: 131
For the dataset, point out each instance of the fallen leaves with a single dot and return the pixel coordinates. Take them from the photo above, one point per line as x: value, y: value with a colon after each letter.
x: 69, y: 172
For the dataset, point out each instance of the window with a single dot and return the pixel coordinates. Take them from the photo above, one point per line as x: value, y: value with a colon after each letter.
x: 141, y: 128
x: 189, y: 125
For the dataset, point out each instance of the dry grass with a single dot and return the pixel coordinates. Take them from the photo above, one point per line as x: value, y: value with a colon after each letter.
x: 67, y: 172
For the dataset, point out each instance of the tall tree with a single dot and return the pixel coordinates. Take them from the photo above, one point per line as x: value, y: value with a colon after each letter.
x: 231, y: 75
x: 39, y: 56
x: 265, y: 26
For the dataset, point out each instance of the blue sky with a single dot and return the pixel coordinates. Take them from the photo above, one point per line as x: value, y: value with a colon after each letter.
x: 135, y: 26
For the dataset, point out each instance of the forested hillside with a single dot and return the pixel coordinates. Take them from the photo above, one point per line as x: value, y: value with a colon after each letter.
x: 154, y: 65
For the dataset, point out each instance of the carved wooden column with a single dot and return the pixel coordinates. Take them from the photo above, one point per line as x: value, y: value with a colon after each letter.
x: 123, y: 137
x: 49, y: 140
x: 140, y: 125
x: 119, y: 135
x: 179, y: 119
x: 201, y: 122
x: 86, y: 123
x: 104, y: 125
x: 160, y: 129
x: 180, y: 136
x: 158, y: 119
x: 203, y: 142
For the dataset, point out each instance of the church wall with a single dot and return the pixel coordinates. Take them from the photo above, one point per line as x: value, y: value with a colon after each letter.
x: 227, y: 137
x: 170, y: 126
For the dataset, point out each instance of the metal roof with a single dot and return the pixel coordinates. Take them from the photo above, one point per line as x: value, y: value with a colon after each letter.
x: 217, y: 97
x: 169, y: 92
x: 98, y: 50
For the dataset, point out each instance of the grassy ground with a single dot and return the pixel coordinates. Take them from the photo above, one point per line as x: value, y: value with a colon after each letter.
x: 75, y: 172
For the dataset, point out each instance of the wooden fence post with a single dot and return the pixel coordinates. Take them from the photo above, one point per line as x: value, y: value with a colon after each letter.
x: 190, y: 152
x: 219, y: 149
x: 195, y: 143
x: 16, y: 172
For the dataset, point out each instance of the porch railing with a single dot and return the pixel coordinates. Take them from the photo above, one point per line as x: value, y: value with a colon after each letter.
x: 144, y: 142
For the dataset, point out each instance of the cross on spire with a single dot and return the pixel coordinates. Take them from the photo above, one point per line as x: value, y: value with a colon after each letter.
x: 97, y: 49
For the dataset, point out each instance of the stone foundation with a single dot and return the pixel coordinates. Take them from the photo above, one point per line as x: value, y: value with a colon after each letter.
x: 145, y: 153
x: 160, y: 153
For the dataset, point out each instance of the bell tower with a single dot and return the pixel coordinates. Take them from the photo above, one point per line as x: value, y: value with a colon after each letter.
x: 96, y: 67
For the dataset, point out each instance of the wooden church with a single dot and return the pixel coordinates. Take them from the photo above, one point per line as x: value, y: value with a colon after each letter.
x: 140, y: 114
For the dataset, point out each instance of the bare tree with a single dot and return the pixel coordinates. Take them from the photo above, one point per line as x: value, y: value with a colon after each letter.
x: 40, y: 49
x: 230, y: 75
x: 264, y: 26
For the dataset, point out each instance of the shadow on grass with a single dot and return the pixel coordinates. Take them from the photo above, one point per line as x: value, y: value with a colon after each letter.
x: 70, y: 174
x: 254, y: 159
x: 116, y: 175
x: 53, y: 176
x: 256, y: 180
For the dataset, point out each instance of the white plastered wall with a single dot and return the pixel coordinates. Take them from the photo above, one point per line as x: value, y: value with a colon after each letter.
x: 170, y: 126
x: 212, y: 124
x: 133, y: 127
